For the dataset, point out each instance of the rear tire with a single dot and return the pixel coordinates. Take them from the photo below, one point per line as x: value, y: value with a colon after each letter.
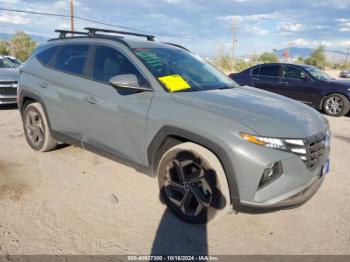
x: 36, y: 128
x: 193, y: 183
x: 336, y: 105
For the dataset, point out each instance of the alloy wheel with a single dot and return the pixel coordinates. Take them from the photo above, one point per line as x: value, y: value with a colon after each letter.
x: 187, y: 188
x: 334, y: 105
x: 34, y: 128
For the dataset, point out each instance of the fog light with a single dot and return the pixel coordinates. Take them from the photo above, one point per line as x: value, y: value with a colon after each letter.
x: 271, y: 172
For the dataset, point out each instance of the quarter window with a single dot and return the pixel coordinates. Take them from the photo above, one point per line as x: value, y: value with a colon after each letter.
x: 71, y: 58
x: 269, y: 70
x: 109, y: 62
x: 45, y: 56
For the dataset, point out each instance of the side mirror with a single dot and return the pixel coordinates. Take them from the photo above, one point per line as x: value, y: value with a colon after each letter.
x: 127, y: 82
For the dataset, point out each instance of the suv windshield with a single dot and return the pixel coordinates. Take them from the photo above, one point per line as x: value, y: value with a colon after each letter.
x: 5, y: 63
x: 199, y: 75
x: 318, y: 74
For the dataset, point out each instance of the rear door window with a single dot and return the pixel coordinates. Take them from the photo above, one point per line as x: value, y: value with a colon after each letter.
x: 292, y: 72
x: 72, y: 58
x: 270, y: 70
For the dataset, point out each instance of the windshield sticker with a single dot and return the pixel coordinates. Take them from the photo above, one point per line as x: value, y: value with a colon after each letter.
x: 149, y: 58
x: 174, y: 83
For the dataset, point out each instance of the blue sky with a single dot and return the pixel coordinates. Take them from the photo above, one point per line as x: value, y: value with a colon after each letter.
x: 203, y: 26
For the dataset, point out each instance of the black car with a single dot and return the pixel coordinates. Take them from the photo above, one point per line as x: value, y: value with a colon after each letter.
x: 305, y: 83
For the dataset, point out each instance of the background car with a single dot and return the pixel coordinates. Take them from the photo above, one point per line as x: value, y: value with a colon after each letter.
x: 345, y: 74
x: 9, y: 74
x: 14, y: 60
x: 305, y: 83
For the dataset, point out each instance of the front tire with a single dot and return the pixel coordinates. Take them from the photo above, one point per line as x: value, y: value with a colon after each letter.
x: 336, y: 105
x: 193, y: 183
x: 36, y: 128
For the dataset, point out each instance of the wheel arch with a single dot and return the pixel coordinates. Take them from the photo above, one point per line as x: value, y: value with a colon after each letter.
x: 169, y: 132
x: 26, y: 98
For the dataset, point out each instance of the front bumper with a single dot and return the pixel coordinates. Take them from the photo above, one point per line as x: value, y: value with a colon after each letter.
x: 7, y: 100
x: 295, y: 200
x: 8, y: 92
x: 297, y: 183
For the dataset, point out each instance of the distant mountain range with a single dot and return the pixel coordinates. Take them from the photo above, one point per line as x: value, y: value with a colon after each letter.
x: 36, y: 38
x: 295, y: 52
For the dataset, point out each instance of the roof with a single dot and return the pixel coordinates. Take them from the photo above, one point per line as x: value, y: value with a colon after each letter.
x: 301, y: 65
x: 95, y: 33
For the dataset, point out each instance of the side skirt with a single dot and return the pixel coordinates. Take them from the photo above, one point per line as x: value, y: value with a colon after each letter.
x: 97, y: 150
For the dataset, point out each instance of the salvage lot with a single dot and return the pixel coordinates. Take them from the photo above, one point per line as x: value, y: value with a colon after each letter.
x: 71, y: 201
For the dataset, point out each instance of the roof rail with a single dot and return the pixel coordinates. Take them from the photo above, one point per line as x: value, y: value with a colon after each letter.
x: 63, y: 33
x: 176, y: 45
x: 92, y: 33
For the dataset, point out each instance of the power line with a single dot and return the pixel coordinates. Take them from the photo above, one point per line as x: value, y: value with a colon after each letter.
x: 96, y: 22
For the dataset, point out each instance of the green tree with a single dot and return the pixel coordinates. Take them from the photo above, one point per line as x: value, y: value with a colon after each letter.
x: 267, y: 57
x: 241, y: 65
x: 21, y: 45
x: 224, y: 62
x: 317, y: 58
x: 4, y: 47
x: 301, y: 60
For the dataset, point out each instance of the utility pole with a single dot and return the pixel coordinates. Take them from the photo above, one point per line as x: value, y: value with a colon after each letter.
x: 72, y: 15
x: 347, y: 56
x: 234, y: 31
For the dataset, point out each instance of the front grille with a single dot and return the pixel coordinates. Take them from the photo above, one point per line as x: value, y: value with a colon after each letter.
x: 313, y: 151
x: 8, y: 88
x: 316, y: 149
x: 8, y: 100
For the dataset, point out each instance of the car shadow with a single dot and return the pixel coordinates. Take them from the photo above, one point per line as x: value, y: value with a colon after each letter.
x: 343, y: 138
x: 175, y: 237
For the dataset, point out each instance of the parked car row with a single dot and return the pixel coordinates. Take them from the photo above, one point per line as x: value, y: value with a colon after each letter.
x: 304, y: 83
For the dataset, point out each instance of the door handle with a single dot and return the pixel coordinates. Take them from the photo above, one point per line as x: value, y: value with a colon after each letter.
x: 256, y: 79
x: 44, y: 85
x: 284, y: 83
x: 90, y: 100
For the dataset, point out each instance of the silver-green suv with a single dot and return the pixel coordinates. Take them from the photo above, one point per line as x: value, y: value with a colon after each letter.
x: 212, y: 144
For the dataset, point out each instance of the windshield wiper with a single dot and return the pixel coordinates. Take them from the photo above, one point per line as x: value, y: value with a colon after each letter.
x: 225, y: 87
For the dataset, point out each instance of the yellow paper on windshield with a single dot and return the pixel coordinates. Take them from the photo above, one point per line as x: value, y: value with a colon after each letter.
x: 174, y: 83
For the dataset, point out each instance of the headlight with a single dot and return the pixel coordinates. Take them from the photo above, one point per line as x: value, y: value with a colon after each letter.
x: 276, y: 143
x: 348, y: 89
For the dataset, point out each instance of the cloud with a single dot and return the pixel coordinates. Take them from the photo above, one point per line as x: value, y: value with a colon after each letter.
x: 9, y: 1
x: 343, y: 24
x: 288, y: 26
x: 14, y: 19
x: 266, y: 25
x: 301, y: 42
x: 249, y: 18
x: 256, y: 30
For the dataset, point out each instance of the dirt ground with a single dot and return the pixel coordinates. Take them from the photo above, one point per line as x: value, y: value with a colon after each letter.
x: 71, y: 201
